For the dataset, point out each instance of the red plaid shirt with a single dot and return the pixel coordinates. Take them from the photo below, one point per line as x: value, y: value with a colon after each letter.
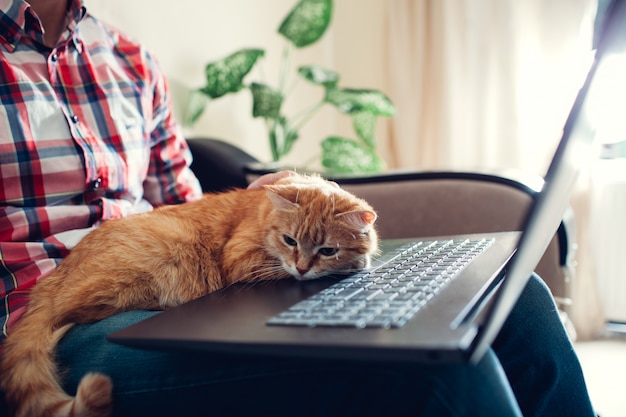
x: 86, y: 134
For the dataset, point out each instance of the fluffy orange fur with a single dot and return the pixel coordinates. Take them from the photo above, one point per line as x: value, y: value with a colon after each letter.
x: 302, y: 226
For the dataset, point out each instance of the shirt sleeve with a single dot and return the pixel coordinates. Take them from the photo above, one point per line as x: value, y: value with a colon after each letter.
x: 169, y: 179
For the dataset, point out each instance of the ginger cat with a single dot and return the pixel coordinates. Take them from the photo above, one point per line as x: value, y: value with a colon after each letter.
x: 301, y: 226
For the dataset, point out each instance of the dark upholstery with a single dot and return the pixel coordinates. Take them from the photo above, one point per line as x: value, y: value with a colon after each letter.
x: 218, y: 164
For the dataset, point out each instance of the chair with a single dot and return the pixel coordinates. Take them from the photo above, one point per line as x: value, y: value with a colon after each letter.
x: 421, y: 204
x: 218, y: 164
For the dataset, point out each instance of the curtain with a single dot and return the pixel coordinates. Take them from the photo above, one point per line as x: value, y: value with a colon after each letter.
x: 488, y: 84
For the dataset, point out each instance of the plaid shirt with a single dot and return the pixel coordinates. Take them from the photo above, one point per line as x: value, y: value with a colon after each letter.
x: 86, y: 134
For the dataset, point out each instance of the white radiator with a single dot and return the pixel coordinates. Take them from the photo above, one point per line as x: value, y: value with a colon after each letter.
x: 608, y: 234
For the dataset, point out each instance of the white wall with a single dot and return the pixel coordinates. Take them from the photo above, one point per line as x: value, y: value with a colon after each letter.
x: 186, y: 34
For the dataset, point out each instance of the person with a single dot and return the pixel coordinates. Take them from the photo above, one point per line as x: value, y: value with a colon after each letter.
x: 87, y: 134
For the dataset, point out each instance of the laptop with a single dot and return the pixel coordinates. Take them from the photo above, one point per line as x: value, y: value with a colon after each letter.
x: 458, y: 322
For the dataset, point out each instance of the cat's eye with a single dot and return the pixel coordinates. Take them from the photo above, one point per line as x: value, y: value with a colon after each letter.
x: 290, y: 241
x: 328, y: 251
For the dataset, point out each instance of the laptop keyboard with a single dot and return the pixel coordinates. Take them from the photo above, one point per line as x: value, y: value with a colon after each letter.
x: 390, y: 295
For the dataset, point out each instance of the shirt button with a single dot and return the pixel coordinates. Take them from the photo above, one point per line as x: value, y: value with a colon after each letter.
x: 74, y: 118
x: 95, y: 184
x: 54, y: 57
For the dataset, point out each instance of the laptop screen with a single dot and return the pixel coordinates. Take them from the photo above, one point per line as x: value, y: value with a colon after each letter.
x: 551, y: 202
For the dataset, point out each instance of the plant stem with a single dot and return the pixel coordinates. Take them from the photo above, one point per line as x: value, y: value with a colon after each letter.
x: 284, y: 67
x: 299, y: 120
x: 275, y: 130
x: 271, y: 132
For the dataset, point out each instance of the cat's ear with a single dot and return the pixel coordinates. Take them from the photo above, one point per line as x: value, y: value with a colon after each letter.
x: 278, y: 200
x: 361, y: 220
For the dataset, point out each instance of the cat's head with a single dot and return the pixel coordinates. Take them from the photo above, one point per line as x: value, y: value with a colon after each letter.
x: 316, y: 228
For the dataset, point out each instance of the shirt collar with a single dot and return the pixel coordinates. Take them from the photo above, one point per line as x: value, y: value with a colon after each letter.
x: 18, y: 20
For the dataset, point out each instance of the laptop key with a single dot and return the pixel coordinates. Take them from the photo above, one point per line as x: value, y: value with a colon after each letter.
x: 390, y: 296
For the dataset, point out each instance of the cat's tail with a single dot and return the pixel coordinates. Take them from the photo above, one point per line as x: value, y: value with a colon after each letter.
x: 30, y: 378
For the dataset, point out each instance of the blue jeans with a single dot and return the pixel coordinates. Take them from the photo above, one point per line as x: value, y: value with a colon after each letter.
x: 532, y: 364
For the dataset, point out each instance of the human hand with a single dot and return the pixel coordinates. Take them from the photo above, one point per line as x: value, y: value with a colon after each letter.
x: 269, y: 179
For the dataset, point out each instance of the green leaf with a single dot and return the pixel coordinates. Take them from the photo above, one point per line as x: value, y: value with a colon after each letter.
x: 319, y: 75
x: 290, y: 139
x: 226, y: 75
x: 352, y: 101
x: 281, y: 137
x: 266, y: 101
x: 275, y: 136
x: 307, y: 22
x: 364, y: 124
x: 195, y: 107
x: 348, y: 156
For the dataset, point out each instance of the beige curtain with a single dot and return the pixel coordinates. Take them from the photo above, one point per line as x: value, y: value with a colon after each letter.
x: 487, y: 84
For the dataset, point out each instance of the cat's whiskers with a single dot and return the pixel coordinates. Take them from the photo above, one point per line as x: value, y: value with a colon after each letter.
x: 256, y: 280
x: 260, y: 276
x: 266, y: 270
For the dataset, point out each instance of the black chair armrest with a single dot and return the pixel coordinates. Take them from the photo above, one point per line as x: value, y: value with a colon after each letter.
x: 219, y: 165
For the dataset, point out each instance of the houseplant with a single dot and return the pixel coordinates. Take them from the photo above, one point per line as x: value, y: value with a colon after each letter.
x: 304, y: 25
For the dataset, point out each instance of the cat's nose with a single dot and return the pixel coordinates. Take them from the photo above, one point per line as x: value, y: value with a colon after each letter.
x: 302, y: 271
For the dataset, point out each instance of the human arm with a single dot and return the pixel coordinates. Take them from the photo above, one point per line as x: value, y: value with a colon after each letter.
x: 169, y: 178
x: 268, y: 179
